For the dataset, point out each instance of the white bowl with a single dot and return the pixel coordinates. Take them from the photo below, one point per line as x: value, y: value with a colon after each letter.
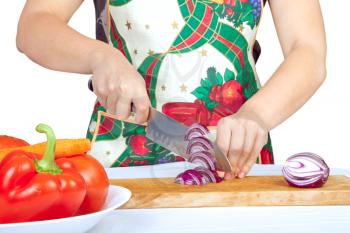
x: 116, y: 197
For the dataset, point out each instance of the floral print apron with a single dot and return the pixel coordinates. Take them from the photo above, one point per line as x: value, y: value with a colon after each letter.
x: 198, y: 61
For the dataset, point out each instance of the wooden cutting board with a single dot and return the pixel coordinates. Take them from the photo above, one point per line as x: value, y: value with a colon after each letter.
x: 250, y: 191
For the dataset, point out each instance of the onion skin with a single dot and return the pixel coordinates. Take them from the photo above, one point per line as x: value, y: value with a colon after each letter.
x: 305, y: 170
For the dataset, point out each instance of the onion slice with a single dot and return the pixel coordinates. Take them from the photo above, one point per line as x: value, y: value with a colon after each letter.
x: 199, y: 147
x: 305, y: 170
x: 196, y: 130
x: 198, y: 176
x: 198, y: 144
x: 190, y: 177
x: 203, y: 158
x: 209, y: 176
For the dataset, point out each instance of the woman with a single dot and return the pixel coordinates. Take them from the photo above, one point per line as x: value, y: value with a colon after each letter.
x: 191, y: 59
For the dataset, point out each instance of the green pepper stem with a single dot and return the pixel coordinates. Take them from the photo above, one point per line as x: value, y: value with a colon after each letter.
x: 47, y: 163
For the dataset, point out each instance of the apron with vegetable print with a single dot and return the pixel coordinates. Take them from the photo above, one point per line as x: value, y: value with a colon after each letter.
x: 197, y: 59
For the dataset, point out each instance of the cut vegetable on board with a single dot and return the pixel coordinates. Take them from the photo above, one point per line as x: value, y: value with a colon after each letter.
x: 199, y: 147
x: 306, y: 170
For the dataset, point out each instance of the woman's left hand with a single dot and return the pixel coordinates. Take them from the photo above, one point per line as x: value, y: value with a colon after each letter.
x: 241, y: 137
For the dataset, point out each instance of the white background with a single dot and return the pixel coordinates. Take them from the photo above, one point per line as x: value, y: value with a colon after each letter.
x: 30, y: 94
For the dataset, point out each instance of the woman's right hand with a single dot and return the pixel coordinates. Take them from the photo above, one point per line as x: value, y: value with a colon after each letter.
x: 117, y: 84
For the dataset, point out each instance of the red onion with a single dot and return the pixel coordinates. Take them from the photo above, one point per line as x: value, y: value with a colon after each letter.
x: 190, y: 177
x: 198, y: 176
x: 198, y: 148
x: 196, y: 130
x: 198, y: 144
x: 208, y: 175
x: 305, y: 170
x: 203, y: 158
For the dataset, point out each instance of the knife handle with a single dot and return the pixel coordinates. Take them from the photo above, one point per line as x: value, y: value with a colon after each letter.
x: 91, y: 88
x: 130, y: 119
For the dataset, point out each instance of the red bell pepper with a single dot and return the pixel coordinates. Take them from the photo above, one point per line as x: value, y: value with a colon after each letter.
x: 11, y: 142
x: 32, y: 189
x: 96, y: 179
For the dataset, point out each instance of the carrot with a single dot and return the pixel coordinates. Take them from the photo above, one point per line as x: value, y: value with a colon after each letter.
x: 64, y: 148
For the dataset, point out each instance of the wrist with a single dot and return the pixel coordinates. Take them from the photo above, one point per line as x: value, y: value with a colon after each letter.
x: 253, y: 112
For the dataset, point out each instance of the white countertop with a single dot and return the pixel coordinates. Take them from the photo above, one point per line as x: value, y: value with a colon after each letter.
x: 284, y: 219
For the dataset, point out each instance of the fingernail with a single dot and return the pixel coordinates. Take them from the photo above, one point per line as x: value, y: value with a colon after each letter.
x: 238, y: 171
x: 221, y: 174
x: 228, y: 176
x: 241, y: 175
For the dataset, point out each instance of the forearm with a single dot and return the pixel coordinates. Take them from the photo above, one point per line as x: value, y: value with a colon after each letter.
x: 293, y: 83
x: 50, y: 42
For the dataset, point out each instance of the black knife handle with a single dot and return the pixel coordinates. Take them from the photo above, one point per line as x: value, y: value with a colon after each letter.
x: 91, y: 88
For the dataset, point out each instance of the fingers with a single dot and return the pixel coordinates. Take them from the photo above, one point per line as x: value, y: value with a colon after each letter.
x: 102, y: 100
x: 117, y: 83
x: 236, y: 146
x: 111, y: 103
x: 249, y: 140
x: 142, y: 106
x: 223, y: 136
x: 100, y: 92
x: 260, y: 141
x: 117, y: 93
x: 123, y: 108
x: 241, y: 139
x: 141, y: 102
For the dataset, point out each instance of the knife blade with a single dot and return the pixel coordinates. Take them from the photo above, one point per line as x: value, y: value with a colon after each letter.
x: 170, y: 134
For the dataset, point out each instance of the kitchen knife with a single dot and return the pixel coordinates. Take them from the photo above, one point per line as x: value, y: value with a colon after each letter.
x: 170, y: 134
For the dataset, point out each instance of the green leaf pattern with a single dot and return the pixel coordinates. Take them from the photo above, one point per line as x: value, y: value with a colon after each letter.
x: 213, y: 78
x: 243, y: 13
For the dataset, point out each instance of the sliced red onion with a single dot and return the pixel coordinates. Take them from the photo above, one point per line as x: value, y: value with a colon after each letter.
x: 198, y: 148
x: 194, y: 134
x: 198, y: 144
x: 208, y: 175
x: 196, y: 130
x: 190, y: 177
x: 306, y: 170
x: 198, y: 176
x: 204, y: 159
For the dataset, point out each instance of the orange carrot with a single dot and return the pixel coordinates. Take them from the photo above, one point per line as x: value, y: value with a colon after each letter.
x: 64, y: 148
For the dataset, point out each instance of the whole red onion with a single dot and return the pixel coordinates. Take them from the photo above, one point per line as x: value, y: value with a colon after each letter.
x: 305, y: 170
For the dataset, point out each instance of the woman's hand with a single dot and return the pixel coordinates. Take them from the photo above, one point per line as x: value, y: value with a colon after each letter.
x: 117, y: 84
x: 241, y: 137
